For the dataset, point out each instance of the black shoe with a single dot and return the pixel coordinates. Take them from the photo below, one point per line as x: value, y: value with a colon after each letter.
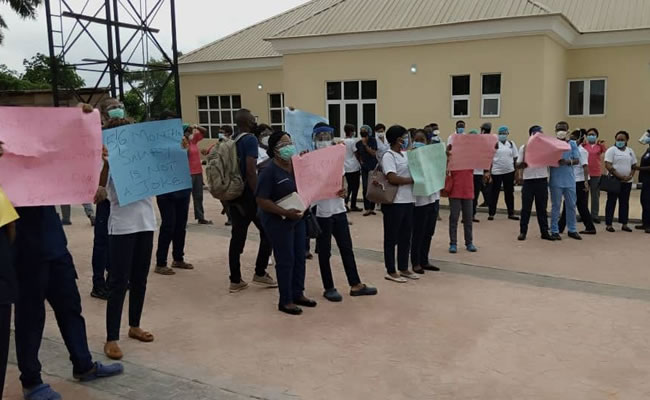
x: 610, y: 229
x: 556, y: 236
x: 99, y: 293
x: 641, y: 227
x: 356, y: 209
x: 290, y: 311
x: 484, y: 204
x: 588, y: 232
x: 626, y: 228
x: 547, y: 236
x: 419, y: 271
x: 204, y: 222
x: 596, y: 220
x: 228, y: 223
x: 430, y: 267
x: 513, y: 217
x: 575, y: 235
x: 333, y: 295
x: 305, y: 302
x: 476, y: 220
x: 309, y: 256
x: 365, y: 291
x: 647, y: 230
x: 66, y: 223
x: 91, y: 218
x: 491, y: 218
x: 522, y: 237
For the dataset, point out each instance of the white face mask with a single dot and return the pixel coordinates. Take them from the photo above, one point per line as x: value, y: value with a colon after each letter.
x: 381, y: 135
x: 265, y: 141
x: 321, y: 144
x: 645, y: 139
x: 436, y: 133
x: 561, y: 135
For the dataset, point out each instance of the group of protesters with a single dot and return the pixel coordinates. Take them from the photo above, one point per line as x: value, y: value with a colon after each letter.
x: 37, y: 266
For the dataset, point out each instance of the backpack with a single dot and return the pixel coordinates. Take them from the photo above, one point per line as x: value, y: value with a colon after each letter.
x: 222, y: 171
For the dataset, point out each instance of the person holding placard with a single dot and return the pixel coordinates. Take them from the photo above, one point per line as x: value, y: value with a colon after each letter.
x: 425, y: 217
x: 285, y: 227
x: 481, y: 177
x: 460, y: 190
x: 398, y: 216
x: 620, y: 161
x: 503, y: 173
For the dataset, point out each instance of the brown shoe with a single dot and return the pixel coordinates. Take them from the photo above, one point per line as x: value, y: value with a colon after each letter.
x: 113, y: 351
x: 139, y: 334
x: 182, y: 265
x: 164, y: 271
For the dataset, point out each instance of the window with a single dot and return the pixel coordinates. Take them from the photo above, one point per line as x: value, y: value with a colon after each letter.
x: 217, y: 111
x: 351, y: 102
x: 460, y: 96
x: 276, y: 111
x: 490, y: 95
x: 587, y: 97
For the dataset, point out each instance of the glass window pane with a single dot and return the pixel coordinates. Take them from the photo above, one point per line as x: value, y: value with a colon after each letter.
x: 214, y: 102
x: 215, y: 117
x: 352, y: 114
x: 369, y: 90
x: 333, y: 90
x: 276, y: 100
x: 460, y: 85
x: 203, y: 102
x: 334, y: 115
x: 369, y: 115
x: 576, y: 97
x: 490, y: 107
x: 207, y: 128
x: 276, y: 116
x: 203, y: 117
x: 597, y: 97
x: 225, y: 102
x: 461, y: 108
x: 236, y: 102
x: 492, y: 84
x: 226, y: 117
x: 351, y: 90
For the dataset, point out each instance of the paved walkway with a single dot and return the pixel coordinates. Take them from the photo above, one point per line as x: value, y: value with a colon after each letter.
x: 518, y: 320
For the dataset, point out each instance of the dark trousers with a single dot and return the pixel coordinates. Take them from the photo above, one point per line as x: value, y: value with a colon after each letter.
x: 478, y: 188
x: 174, y: 210
x: 288, y: 240
x: 337, y: 226
x: 508, y: 181
x: 197, y: 196
x: 243, y: 213
x: 398, y: 227
x: 645, y: 204
x: 534, y: 190
x: 65, y: 213
x: 130, y: 262
x: 54, y: 281
x: 623, y: 199
x: 424, y: 226
x: 352, y: 178
x: 456, y: 206
x: 582, y: 204
x: 5, y: 332
x: 367, y: 205
x: 100, y: 244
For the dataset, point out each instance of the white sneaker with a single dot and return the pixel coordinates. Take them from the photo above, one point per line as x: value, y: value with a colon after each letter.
x: 398, y: 279
x: 410, y: 275
x: 265, y: 280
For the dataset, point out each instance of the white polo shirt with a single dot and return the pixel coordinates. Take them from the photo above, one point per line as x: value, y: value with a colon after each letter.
x: 531, y: 173
x: 579, y: 170
x: 622, y: 160
x: 398, y: 164
x: 351, y: 163
x: 132, y: 218
x: 504, y: 158
x: 421, y: 201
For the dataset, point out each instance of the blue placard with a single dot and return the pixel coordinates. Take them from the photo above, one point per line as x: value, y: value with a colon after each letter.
x: 300, y: 125
x: 147, y: 159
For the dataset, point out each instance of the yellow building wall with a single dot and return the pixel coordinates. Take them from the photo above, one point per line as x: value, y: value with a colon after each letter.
x: 627, y: 70
x: 554, y: 92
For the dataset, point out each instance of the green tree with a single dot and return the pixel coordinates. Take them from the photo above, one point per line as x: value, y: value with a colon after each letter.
x: 38, y: 70
x: 149, y: 96
x: 134, y: 106
x: 10, y: 80
x: 24, y: 8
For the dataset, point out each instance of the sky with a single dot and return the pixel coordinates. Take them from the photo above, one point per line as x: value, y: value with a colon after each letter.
x: 199, y: 22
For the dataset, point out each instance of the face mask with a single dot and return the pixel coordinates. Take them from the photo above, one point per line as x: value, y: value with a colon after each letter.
x: 417, y: 145
x: 621, y: 144
x: 405, y: 143
x: 592, y: 138
x: 645, y: 140
x: 321, y: 144
x: 460, y: 130
x: 287, y: 152
x: 561, y: 135
x: 116, y: 113
x: 222, y: 136
x: 436, y: 133
x: 264, y: 141
x: 503, y: 138
x: 381, y: 135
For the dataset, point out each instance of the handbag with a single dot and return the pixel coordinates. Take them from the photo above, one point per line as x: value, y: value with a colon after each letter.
x: 610, y: 184
x: 380, y: 191
x: 449, y: 185
x: 313, y: 228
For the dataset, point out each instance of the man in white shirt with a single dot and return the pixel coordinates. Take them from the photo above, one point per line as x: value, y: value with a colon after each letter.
x: 503, y: 172
x: 352, y: 167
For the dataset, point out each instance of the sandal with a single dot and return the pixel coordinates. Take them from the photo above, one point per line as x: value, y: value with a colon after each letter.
x: 143, y: 336
x: 113, y: 351
x: 42, y: 392
x: 182, y: 265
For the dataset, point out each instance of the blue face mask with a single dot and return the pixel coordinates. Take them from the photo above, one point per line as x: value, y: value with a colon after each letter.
x: 460, y: 130
x: 592, y: 138
x: 620, y: 144
x: 116, y: 113
x: 287, y: 152
x: 503, y: 137
x: 645, y: 140
x: 417, y: 145
x: 405, y: 143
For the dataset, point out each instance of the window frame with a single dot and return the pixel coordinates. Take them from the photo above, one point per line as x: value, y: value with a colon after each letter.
x: 281, y: 109
x: 466, y: 97
x: 491, y: 96
x: 586, y: 98
x: 342, y: 103
x: 210, y: 110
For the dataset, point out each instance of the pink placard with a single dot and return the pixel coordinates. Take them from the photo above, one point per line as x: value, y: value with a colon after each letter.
x: 471, y: 152
x: 52, y: 155
x: 319, y: 173
x: 544, y: 151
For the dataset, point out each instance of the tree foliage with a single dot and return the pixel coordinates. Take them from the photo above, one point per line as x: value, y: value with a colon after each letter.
x: 149, y: 97
x: 38, y: 75
x: 24, y: 8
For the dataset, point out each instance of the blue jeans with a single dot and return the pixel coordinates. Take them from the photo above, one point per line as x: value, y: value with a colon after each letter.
x: 569, y: 195
x: 100, y: 244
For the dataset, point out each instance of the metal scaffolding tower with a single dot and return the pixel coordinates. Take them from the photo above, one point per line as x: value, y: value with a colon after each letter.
x: 74, y: 26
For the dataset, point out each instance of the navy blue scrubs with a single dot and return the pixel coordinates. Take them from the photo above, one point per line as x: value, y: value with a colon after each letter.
x: 45, y: 271
x: 7, y: 297
x: 287, y: 237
